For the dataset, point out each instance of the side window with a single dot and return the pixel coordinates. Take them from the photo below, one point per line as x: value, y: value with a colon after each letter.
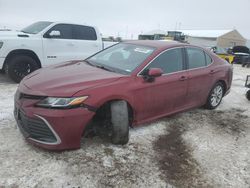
x: 196, y: 58
x: 84, y: 33
x: 208, y: 59
x: 169, y: 61
x: 65, y: 31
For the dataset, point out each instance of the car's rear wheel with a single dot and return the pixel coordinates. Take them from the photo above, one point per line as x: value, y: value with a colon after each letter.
x: 119, y: 122
x: 215, y: 96
x: 20, y: 66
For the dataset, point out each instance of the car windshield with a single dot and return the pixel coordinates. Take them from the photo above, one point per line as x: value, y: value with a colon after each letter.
x: 122, y: 58
x: 36, y: 27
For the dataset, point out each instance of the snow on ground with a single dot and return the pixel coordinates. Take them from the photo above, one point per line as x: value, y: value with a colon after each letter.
x: 199, y: 148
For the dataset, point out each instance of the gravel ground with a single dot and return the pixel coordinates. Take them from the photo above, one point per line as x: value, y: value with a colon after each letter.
x: 198, y: 148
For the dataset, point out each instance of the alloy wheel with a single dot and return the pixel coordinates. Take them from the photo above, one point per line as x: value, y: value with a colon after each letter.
x: 216, y: 95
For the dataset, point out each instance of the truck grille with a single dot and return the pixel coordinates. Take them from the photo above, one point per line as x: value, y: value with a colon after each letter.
x: 35, y: 128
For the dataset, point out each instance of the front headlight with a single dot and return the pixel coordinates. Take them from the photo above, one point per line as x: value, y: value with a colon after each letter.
x: 1, y: 45
x: 55, y: 102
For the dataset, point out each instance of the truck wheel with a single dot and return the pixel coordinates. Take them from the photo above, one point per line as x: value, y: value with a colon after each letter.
x: 215, y: 96
x: 120, y: 122
x: 20, y: 66
x: 248, y: 95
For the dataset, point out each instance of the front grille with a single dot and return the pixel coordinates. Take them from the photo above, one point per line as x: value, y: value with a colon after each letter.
x: 35, y: 128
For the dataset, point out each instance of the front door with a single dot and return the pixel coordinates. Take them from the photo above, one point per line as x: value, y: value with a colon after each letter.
x: 166, y: 94
x: 61, y: 48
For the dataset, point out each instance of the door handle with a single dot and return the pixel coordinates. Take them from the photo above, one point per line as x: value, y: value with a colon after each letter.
x: 183, y: 78
x: 211, y: 72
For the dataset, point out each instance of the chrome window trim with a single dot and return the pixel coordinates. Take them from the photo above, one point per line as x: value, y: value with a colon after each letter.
x: 182, y: 47
x: 58, y: 140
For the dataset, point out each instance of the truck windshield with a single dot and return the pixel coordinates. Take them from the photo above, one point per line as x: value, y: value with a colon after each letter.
x: 122, y: 58
x: 36, y: 27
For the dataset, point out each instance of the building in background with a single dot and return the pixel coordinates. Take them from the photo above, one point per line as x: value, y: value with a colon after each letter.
x: 248, y: 43
x: 222, y: 38
x: 206, y: 38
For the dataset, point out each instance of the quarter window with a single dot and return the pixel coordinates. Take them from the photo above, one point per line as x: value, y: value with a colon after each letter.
x: 84, y: 33
x: 169, y: 61
x: 196, y: 58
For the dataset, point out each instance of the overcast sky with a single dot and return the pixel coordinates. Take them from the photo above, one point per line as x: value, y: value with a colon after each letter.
x: 128, y: 18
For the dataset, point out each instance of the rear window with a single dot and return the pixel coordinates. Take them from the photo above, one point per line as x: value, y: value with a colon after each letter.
x: 84, y: 33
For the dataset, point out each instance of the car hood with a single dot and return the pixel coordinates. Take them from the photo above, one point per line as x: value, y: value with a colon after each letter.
x: 11, y: 34
x: 66, y: 79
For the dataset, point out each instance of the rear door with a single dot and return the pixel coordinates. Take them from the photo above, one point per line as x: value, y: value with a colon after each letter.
x: 166, y: 94
x: 200, y: 76
x: 86, y: 41
x: 60, y: 48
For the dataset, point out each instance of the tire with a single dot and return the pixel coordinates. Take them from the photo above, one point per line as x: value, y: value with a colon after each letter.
x: 248, y: 95
x: 215, y: 96
x: 120, y: 122
x: 20, y: 66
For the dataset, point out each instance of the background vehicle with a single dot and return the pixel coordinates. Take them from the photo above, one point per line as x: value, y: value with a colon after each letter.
x: 170, y: 36
x: 241, y: 54
x: 221, y: 52
x: 128, y: 84
x: 247, y: 85
x: 46, y: 43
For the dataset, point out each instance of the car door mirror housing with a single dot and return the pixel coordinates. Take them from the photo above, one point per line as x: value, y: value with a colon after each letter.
x: 54, y: 34
x: 152, y: 73
x: 155, y: 72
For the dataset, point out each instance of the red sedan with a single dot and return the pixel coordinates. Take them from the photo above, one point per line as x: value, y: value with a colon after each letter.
x: 123, y: 86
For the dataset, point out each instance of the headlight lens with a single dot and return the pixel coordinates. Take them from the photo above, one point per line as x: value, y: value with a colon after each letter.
x: 1, y: 45
x: 54, y: 102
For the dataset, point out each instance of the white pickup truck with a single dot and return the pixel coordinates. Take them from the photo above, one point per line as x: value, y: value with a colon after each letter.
x: 45, y: 43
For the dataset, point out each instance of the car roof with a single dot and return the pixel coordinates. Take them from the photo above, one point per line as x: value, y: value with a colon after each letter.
x: 157, y: 43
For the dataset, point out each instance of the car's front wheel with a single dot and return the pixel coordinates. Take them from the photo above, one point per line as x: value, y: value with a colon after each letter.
x: 20, y: 66
x: 119, y: 122
x: 215, y: 96
x: 248, y: 95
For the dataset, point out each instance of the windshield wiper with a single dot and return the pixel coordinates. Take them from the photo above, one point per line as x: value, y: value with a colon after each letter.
x: 88, y: 62
x: 104, y: 68
x: 98, y: 66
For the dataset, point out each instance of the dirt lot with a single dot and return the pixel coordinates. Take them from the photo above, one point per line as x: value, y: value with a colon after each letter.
x: 199, y: 148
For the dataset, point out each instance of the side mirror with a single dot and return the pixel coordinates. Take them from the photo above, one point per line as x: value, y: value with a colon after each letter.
x: 54, y: 34
x: 152, y: 73
x: 155, y: 72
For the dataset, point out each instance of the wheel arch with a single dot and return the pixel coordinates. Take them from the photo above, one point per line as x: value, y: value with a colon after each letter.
x: 26, y: 52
